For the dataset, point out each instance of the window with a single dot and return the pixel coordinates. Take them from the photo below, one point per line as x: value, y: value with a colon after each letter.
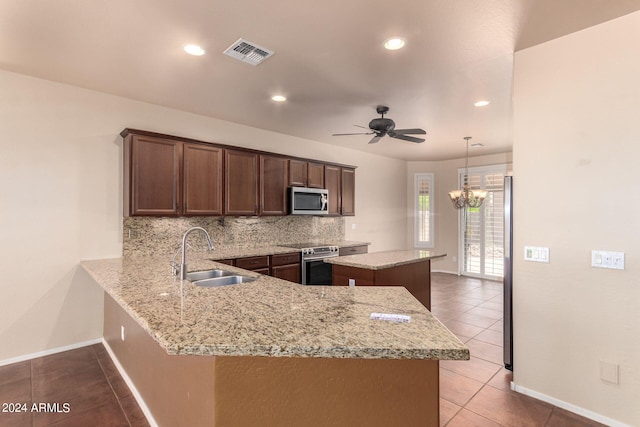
x: 482, y: 231
x: 424, y: 210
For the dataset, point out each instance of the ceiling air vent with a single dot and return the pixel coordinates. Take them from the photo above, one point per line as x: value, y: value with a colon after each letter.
x: 248, y: 52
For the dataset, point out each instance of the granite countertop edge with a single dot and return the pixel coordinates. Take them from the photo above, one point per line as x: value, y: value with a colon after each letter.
x: 386, y: 259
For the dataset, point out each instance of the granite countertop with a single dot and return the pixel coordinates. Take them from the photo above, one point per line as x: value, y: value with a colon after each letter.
x: 381, y: 260
x: 271, y: 317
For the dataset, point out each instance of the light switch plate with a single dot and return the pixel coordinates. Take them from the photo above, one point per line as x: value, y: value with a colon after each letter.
x: 536, y: 254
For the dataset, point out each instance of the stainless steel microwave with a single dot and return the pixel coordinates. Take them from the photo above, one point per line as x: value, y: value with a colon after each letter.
x: 308, y: 201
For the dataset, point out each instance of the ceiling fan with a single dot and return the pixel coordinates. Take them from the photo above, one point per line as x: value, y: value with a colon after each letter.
x: 382, y: 126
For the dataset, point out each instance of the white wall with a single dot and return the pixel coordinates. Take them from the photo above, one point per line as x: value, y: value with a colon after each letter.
x: 445, y: 215
x: 61, y: 184
x: 575, y: 165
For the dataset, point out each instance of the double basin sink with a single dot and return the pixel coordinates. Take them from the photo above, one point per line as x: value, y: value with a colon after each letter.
x: 215, y: 278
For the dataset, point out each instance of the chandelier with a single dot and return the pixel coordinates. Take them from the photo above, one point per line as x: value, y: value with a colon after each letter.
x: 467, y: 196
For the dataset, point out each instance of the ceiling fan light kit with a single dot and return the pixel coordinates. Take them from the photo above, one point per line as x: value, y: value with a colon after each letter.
x: 382, y: 126
x: 467, y: 197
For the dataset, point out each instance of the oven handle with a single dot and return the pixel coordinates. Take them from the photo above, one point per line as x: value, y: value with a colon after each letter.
x: 317, y: 258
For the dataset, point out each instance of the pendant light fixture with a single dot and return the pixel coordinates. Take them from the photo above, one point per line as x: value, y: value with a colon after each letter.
x: 467, y: 197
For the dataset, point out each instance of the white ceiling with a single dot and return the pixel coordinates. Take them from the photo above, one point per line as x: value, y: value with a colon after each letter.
x: 329, y: 60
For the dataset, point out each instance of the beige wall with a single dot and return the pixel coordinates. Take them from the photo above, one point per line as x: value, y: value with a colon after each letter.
x: 445, y: 215
x: 576, y: 151
x: 61, y: 179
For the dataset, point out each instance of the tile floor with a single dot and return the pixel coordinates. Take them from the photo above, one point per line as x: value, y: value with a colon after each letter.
x: 472, y: 393
x: 86, y: 379
x: 477, y: 392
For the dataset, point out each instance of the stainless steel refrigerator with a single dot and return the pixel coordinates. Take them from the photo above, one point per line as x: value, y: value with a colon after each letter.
x: 508, y: 273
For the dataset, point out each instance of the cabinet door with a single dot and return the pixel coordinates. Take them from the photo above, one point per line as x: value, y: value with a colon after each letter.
x: 315, y: 175
x: 297, y: 173
x: 241, y: 183
x: 273, y: 185
x: 153, y: 172
x: 348, y: 191
x: 332, y: 184
x: 289, y: 272
x: 202, y: 180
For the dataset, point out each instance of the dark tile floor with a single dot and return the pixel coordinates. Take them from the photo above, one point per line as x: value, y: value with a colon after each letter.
x: 477, y: 392
x: 472, y: 393
x: 82, y: 387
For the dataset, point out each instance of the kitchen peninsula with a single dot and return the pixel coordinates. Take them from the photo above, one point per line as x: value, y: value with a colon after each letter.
x: 271, y: 352
x: 409, y: 268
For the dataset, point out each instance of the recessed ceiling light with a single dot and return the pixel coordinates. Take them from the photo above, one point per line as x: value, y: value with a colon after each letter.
x: 278, y: 98
x: 482, y: 103
x: 194, y: 49
x: 394, y: 43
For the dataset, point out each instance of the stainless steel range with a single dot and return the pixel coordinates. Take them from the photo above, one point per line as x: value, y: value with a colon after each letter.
x: 314, y: 270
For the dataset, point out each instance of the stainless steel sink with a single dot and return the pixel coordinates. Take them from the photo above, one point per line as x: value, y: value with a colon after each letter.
x: 223, y: 281
x: 208, y: 274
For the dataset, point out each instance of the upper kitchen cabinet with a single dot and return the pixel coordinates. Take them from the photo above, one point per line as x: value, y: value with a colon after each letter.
x: 306, y: 174
x: 273, y: 185
x: 340, y: 182
x: 348, y: 191
x: 241, y: 182
x: 332, y: 183
x: 152, y: 176
x: 202, y: 179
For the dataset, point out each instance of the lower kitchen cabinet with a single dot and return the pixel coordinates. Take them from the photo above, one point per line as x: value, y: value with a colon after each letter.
x: 254, y: 263
x: 287, y: 267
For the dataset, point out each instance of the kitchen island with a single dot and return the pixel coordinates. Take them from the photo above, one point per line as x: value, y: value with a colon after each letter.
x: 408, y: 268
x: 270, y: 352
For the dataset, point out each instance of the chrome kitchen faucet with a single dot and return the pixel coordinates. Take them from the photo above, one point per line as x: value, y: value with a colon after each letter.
x: 183, y: 265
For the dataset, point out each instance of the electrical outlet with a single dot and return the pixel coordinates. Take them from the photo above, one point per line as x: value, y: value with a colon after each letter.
x: 122, y: 333
x: 606, y: 259
x: 352, y: 282
x: 610, y: 372
x: 353, y: 226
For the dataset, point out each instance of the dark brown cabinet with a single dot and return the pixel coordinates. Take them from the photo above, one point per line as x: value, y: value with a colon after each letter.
x: 332, y: 182
x: 306, y: 174
x: 347, y: 191
x: 286, y: 267
x: 153, y: 176
x: 340, y: 182
x: 202, y: 179
x: 273, y: 185
x: 167, y: 175
x: 415, y: 277
x: 241, y: 183
x: 257, y: 264
x: 315, y: 175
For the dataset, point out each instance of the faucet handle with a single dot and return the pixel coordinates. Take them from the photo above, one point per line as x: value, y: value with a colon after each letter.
x: 175, y: 268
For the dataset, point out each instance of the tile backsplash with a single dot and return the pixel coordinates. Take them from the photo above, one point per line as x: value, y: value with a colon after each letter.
x: 163, y: 236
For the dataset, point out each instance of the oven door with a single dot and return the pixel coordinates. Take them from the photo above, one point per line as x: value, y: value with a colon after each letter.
x: 316, y: 272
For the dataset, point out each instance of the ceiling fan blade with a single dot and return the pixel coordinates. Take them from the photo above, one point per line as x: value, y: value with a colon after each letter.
x: 407, y: 138
x: 343, y: 134
x: 411, y: 131
x: 375, y: 139
x: 363, y: 127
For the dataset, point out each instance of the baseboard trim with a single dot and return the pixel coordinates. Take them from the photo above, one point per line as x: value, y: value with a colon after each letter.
x: 49, y: 352
x: 132, y: 387
x: 568, y: 406
x: 445, y: 271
